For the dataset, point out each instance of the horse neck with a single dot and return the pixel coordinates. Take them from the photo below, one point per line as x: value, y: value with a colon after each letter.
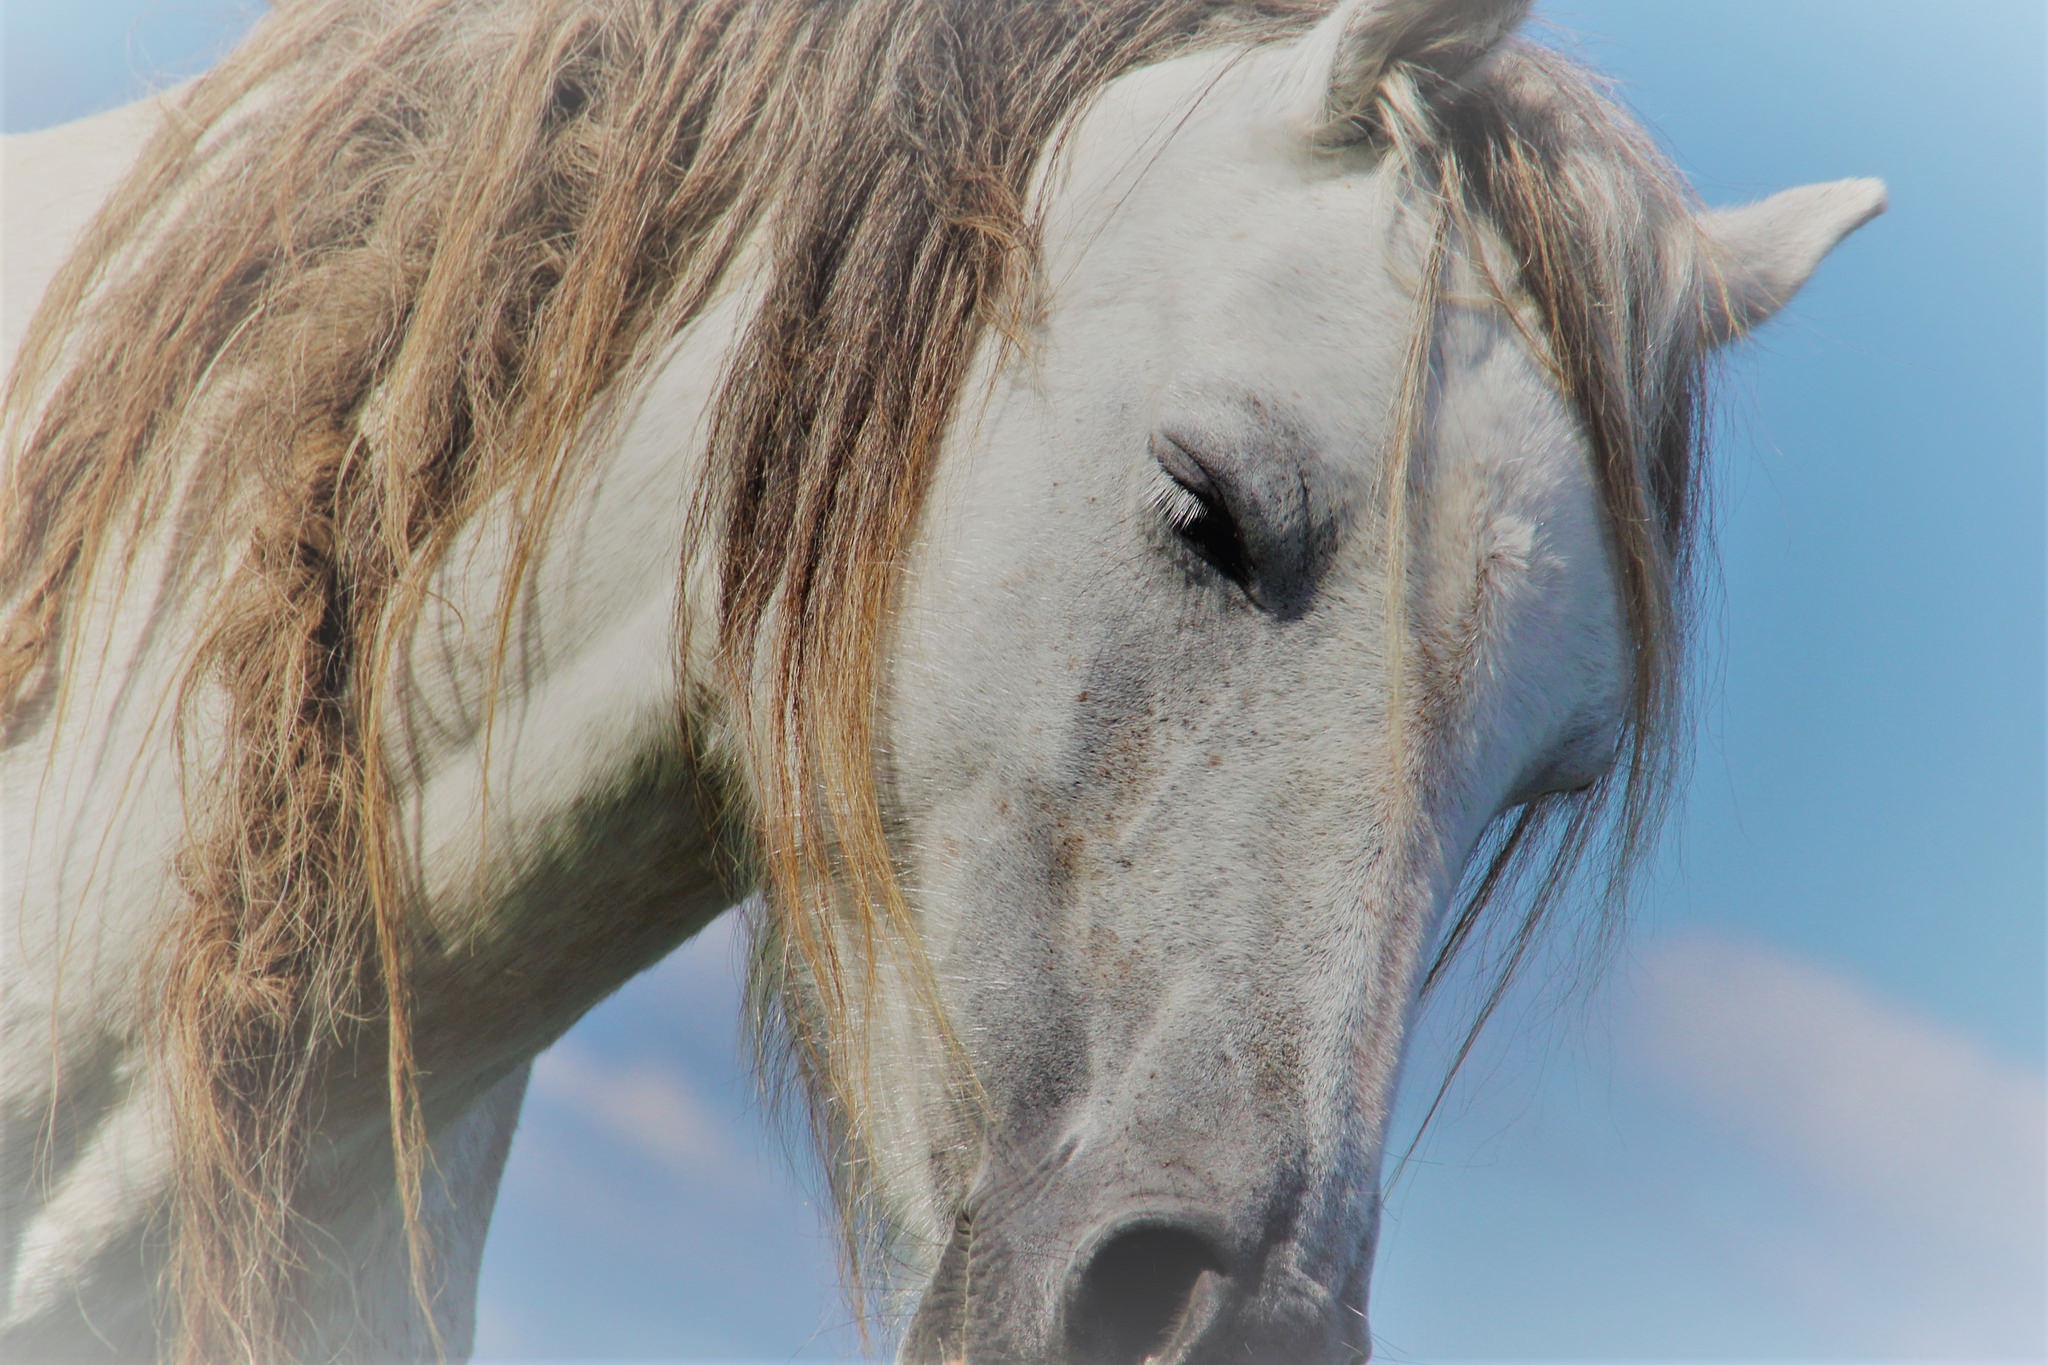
x: 556, y: 834
x: 561, y: 831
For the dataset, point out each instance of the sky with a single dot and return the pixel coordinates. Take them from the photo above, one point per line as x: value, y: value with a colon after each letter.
x: 1803, y: 1115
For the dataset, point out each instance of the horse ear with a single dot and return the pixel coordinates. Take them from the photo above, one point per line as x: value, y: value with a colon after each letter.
x: 1347, y: 58
x: 1760, y: 254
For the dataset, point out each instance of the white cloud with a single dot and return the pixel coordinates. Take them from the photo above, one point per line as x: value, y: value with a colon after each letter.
x: 652, y: 1110
x: 1934, y: 1149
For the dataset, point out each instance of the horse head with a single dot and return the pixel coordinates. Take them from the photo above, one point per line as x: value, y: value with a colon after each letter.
x: 1307, y: 545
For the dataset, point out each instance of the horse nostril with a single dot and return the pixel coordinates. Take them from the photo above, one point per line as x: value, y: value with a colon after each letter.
x: 1140, y: 1295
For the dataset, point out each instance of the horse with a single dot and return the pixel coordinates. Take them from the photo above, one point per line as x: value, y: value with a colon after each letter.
x: 1133, y: 530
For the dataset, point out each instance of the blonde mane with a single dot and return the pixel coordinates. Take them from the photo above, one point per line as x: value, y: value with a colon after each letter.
x: 377, y: 270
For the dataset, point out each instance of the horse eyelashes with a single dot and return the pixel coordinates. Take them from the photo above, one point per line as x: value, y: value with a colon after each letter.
x: 1204, y: 524
x: 1182, y: 509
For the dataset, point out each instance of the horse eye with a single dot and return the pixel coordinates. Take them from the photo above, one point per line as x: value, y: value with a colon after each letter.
x: 1203, y: 522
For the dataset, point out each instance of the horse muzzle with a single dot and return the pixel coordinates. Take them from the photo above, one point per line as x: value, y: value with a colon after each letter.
x: 1040, y: 1271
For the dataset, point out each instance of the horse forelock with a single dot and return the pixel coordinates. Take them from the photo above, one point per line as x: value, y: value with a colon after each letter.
x: 466, y: 217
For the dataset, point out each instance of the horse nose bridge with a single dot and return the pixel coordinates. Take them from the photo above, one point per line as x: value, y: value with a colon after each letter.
x: 1235, y: 1088
x: 1239, y: 1053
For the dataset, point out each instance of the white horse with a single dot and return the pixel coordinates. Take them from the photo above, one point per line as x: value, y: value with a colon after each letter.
x: 1110, y: 515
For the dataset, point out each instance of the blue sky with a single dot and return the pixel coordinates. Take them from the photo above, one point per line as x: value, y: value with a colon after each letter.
x: 1803, y: 1117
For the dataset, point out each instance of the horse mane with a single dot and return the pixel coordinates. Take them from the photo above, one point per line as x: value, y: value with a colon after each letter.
x: 374, y: 275
x: 1603, y: 239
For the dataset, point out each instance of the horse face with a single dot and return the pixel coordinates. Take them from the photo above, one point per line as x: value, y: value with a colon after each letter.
x: 1174, y: 833
x: 1178, y: 781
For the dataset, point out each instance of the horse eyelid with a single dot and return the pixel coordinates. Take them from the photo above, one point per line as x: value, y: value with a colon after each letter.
x: 1187, y: 500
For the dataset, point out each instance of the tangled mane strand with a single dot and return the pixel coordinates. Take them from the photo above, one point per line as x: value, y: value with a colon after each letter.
x: 447, y: 224
x: 372, y: 276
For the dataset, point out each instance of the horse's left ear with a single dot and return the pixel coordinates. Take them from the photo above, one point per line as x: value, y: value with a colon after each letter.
x: 1347, y: 58
x: 1760, y: 254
